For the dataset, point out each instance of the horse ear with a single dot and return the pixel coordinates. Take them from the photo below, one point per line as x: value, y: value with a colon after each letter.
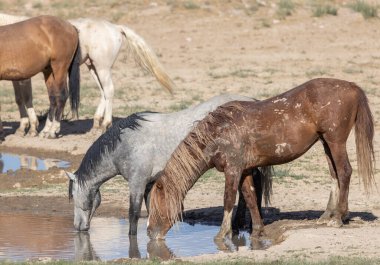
x: 71, y: 176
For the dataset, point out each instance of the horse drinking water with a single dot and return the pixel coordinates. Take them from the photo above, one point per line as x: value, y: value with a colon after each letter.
x: 240, y: 135
x: 136, y: 147
x: 43, y: 44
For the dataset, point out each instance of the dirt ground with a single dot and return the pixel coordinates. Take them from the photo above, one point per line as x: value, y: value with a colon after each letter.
x: 209, y: 48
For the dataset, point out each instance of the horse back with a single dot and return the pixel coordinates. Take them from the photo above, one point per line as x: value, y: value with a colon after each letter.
x: 284, y: 127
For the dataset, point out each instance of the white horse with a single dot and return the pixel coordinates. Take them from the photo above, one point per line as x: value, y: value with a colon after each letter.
x: 100, y: 43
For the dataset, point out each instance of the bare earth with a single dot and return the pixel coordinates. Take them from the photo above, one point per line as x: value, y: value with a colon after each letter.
x: 211, y: 49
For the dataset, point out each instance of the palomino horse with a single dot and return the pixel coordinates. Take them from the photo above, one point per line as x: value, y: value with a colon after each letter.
x: 100, y: 43
x: 241, y: 135
x: 137, y: 148
x: 49, y: 45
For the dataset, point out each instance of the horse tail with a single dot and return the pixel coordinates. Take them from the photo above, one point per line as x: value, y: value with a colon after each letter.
x: 146, y: 58
x: 364, y: 133
x: 266, y: 183
x: 74, y: 82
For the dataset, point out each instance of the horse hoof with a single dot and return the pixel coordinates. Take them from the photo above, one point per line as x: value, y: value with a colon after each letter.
x: 346, y: 216
x: 20, y: 132
x: 42, y: 135
x: 325, y: 218
x: 32, y: 134
x: 52, y: 136
x: 335, y: 223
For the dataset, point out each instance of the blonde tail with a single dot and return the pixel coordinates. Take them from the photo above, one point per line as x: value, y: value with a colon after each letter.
x: 146, y: 58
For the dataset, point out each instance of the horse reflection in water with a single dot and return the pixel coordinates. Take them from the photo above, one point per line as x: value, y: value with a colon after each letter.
x: 34, y: 163
x: 84, y: 250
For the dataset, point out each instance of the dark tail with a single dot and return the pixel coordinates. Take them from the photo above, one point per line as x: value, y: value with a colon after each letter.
x: 364, y: 132
x: 74, y: 82
x: 266, y: 183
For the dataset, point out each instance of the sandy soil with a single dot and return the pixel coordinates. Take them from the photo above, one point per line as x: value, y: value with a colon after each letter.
x: 211, y: 49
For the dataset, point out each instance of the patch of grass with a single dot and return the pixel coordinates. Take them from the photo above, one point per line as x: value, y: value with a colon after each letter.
x: 37, y: 5
x: 265, y: 23
x: 212, y: 174
x: 285, y: 8
x: 183, y: 104
x: 352, y: 70
x: 127, y: 110
x: 366, y: 9
x: 190, y: 5
x: 316, y: 72
x: 241, y: 73
x: 322, y: 10
x: 282, y: 171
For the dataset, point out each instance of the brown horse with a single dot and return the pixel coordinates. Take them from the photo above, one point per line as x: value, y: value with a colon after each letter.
x: 43, y: 44
x: 242, y: 135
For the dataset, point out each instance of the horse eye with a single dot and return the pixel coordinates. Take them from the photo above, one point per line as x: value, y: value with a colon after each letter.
x: 159, y: 185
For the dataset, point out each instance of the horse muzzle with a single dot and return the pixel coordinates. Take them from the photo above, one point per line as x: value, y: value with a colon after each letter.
x: 81, y: 226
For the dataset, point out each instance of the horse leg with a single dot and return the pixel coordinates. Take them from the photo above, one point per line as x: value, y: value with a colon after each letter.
x: 135, y: 202
x: 229, y: 200
x: 106, y: 80
x: 28, y: 100
x: 24, y: 100
x: 2, y: 135
x: 20, y: 101
x: 104, y: 110
x: 49, y: 81
x: 239, y: 219
x: 60, y: 94
x: 333, y: 199
x: 99, y: 113
x: 250, y: 196
x: 337, y: 208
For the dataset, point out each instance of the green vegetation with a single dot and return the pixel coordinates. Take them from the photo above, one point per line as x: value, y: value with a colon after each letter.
x: 212, y: 174
x: 316, y: 72
x: 366, y: 9
x: 322, y: 10
x: 190, y: 5
x: 285, y: 8
x: 183, y: 104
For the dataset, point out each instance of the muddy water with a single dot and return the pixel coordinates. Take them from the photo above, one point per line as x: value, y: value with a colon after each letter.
x: 28, y: 237
x: 13, y: 162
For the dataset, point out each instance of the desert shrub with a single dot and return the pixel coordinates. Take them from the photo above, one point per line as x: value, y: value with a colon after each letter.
x: 366, y: 9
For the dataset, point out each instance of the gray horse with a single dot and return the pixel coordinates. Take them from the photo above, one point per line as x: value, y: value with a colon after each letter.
x: 137, y: 148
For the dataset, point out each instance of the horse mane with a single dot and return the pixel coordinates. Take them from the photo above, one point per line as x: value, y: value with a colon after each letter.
x: 106, y: 144
x: 189, y: 160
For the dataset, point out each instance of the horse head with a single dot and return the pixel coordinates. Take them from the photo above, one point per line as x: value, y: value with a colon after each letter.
x: 160, y: 210
x: 86, y: 201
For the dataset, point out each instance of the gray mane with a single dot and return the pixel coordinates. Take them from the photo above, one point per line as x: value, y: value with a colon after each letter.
x: 105, y: 144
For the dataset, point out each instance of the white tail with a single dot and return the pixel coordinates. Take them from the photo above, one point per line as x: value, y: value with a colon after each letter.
x: 146, y: 58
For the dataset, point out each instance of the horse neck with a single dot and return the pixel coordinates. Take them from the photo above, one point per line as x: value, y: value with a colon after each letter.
x: 188, y: 162
x: 96, y: 175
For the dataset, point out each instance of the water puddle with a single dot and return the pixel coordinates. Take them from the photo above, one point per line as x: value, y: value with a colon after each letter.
x: 13, y: 162
x: 28, y: 237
